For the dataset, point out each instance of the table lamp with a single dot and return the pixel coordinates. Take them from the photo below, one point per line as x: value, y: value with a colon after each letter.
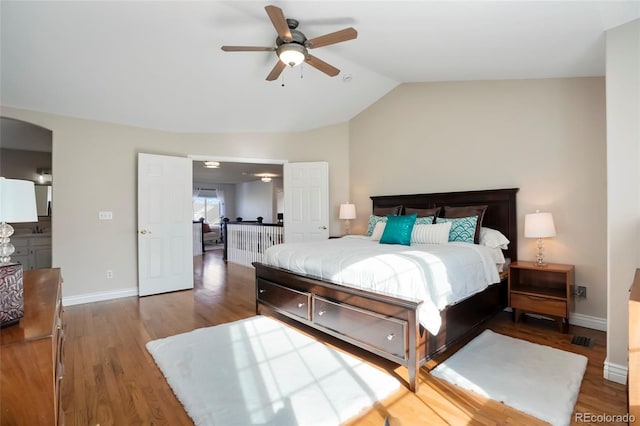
x: 539, y: 225
x: 347, y: 212
x: 17, y: 204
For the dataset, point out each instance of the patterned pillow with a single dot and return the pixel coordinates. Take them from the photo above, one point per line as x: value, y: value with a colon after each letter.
x: 398, y: 230
x: 467, y: 211
x: 373, y: 219
x: 462, y: 229
x: 378, y: 230
x: 427, y: 220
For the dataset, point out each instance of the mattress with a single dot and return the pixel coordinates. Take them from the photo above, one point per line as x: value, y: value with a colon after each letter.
x: 438, y: 275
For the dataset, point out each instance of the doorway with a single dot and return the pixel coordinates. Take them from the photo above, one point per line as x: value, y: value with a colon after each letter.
x: 26, y: 154
x: 234, y: 188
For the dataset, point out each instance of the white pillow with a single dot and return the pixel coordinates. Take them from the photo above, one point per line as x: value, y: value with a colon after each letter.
x: 437, y: 233
x: 498, y: 257
x: 493, y: 239
x: 378, y: 230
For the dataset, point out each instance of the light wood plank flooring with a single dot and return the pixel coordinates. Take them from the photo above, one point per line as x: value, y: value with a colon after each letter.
x: 110, y: 378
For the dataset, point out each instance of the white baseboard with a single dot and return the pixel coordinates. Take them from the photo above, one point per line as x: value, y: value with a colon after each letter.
x: 581, y: 320
x: 615, y: 372
x: 588, y: 321
x: 99, y: 296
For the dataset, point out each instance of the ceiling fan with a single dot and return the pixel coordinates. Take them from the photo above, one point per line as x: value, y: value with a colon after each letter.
x: 292, y: 46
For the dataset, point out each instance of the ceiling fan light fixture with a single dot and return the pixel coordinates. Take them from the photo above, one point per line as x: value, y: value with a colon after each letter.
x: 265, y: 179
x: 292, y: 54
x: 211, y: 164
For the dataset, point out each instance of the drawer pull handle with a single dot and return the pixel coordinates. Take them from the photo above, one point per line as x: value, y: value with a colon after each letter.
x: 390, y: 336
x: 321, y: 313
x: 262, y: 290
x: 301, y: 304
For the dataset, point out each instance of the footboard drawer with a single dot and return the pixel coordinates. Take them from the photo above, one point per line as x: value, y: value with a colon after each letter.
x: 290, y: 301
x: 380, y: 332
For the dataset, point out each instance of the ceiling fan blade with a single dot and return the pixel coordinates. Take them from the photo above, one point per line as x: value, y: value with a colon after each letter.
x: 321, y: 65
x: 276, y: 71
x: 247, y: 49
x: 333, y: 38
x: 277, y: 19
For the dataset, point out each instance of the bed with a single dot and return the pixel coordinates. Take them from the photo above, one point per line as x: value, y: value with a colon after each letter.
x: 387, y: 325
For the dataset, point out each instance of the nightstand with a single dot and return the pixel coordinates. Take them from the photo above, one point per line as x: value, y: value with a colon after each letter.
x: 544, y: 290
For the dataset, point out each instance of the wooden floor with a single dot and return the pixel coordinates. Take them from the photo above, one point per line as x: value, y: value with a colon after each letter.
x: 110, y: 378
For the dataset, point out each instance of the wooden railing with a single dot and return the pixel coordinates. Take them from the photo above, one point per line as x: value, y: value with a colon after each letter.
x: 633, y: 375
x: 245, y: 242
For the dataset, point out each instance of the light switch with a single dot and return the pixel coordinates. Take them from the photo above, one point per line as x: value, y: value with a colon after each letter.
x: 105, y: 215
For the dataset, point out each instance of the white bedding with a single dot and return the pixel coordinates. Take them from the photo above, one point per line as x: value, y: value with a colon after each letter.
x: 437, y: 274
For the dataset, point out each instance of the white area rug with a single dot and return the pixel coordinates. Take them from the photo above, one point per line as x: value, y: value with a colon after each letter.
x: 536, y: 379
x: 258, y: 371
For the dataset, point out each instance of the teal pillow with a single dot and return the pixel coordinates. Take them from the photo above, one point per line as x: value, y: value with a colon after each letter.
x: 373, y: 220
x: 398, y: 230
x: 463, y: 229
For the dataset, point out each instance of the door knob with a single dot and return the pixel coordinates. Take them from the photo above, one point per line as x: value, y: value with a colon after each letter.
x: 322, y: 227
x: 144, y: 232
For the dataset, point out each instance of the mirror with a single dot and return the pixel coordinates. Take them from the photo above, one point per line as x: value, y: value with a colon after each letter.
x: 43, y: 200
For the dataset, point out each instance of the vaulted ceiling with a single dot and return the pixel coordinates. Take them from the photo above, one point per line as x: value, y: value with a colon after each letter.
x: 158, y: 64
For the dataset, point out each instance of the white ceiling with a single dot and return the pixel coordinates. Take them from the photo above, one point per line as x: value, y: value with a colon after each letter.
x: 158, y: 64
x: 234, y: 172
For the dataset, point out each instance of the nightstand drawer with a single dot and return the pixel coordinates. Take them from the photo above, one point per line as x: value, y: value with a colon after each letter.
x: 539, y: 304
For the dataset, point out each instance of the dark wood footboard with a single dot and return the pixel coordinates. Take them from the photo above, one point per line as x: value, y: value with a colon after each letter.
x: 383, y: 325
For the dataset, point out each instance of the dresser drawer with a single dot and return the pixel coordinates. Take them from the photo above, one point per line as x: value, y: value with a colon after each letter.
x: 539, y: 304
x: 284, y: 299
x: 380, y: 332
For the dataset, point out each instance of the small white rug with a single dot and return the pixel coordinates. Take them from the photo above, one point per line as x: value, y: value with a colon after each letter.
x: 258, y: 371
x: 536, y: 379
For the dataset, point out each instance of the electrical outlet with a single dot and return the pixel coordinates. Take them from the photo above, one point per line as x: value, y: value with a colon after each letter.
x: 109, y: 274
x: 581, y: 291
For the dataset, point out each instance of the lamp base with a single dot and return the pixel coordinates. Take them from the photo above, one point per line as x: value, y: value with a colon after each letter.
x: 11, y: 294
x: 540, y: 263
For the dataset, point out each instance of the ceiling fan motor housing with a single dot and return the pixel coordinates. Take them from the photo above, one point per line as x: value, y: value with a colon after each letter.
x: 296, y: 37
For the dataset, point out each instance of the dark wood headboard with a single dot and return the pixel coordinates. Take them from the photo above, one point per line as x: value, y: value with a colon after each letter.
x: 500, y: 214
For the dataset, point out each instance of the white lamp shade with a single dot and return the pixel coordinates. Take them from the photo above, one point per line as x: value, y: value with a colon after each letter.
x: 347, y: 211
x: 17, y: 201
x: 539, y: 225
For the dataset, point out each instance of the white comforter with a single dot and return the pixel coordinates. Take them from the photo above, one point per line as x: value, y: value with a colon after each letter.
x: 437, y: 274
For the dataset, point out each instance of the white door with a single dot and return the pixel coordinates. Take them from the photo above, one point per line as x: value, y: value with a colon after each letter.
x: 306, y: 201
x: 165, y: 252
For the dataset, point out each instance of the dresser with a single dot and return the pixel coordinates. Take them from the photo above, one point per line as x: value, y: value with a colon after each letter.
x: 633, y: 375
x: 32, y: 355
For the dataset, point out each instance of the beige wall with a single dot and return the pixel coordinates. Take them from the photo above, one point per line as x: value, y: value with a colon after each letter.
x: 95, y: 169
x: 546, y: 137
x: 623, y: 206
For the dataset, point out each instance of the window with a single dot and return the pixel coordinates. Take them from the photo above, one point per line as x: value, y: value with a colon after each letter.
x: 207, y: 208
